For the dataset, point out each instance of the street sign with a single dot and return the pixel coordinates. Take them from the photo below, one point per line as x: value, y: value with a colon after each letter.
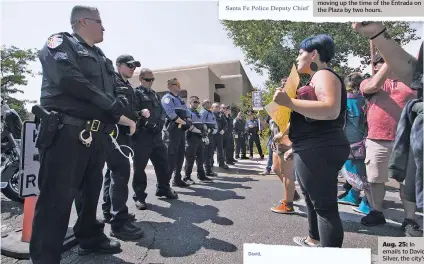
x: 257, y: 103
x: 30, y: 162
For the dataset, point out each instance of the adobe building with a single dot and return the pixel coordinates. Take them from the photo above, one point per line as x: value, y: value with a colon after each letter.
x: 222, y: 82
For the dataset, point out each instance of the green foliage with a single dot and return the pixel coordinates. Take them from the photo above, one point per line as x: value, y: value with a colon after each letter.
x: 14, y: 72
x: 272, y: 45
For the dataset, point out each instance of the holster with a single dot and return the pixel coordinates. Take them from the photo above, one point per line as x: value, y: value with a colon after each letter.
x: 49, y: 125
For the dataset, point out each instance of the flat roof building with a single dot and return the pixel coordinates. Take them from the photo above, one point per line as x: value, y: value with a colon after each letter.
x: 222, y: 82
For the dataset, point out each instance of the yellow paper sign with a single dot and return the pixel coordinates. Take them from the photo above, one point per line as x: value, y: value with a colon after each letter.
x: 281, y: 114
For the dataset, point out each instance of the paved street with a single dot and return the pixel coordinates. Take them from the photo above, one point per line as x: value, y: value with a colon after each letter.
x: 210, y: 222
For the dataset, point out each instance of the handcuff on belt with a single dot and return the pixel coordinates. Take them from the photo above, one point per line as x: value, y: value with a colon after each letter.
x: 94, y: 127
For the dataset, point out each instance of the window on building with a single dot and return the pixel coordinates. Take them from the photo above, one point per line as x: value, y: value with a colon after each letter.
x: 219, y: 86
x: 216, y: 98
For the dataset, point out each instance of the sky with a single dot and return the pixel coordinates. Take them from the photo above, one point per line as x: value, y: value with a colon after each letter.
x: 160, y: 34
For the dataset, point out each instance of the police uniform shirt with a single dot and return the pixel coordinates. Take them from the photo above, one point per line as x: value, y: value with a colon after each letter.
x: 255, y: 125
x: 146, y: 98
x: 174, y: 107
x: 77, y: 79
x: 124, y: 88
x: 209, y: 120
x: 239, y: 125
x: 196, y: 119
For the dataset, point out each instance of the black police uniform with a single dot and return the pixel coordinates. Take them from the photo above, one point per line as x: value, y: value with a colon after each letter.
x: 78, y: 84
x: 115, y: 187
x: 218, y: 139
x: 229, y: 141
x: 148, y: 144
x: 253, y: 133
x: 208, y: 118
x: 174, y: 134
x: 240, y: 137
x: 195, y: 147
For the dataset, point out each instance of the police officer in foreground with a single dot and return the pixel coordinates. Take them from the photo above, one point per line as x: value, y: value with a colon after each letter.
x: 115, y: 187
x: 195, y: 144
x: 218, y: 138
x: 177, y: 123
x: 208, y: 118
x: 73, y: 139
x: 240, y: 135
x: 148, y: 143
x: 252, y: 128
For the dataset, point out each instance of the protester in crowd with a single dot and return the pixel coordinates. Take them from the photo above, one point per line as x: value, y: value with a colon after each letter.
x: 252, y: 128
x: 148, y: 142
x: 386, y: 96
x: 117, y: 176
x: 283, y: 168
x: 268, y: 167
x: 355, y: 129
x: 410, y: 71
x: 218, y: 139
x: 319, y: 144
x: 240, y: 136
x: 74, y: 140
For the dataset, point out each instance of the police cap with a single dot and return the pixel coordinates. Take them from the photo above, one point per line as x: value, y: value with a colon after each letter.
x: 128, y: 59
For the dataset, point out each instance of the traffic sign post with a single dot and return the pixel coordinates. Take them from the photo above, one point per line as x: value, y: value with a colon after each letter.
x: 16, y: 244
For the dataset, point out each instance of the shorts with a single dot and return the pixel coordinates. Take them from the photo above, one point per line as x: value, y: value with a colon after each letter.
x: 377, y: 160
x: 279, y: 149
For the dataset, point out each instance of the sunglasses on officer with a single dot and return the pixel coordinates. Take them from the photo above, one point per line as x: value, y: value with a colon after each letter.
x: 149, y: 79
x: 129, y: 65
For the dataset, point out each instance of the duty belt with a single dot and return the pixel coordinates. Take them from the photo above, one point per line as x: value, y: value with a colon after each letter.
x: 89, y: 125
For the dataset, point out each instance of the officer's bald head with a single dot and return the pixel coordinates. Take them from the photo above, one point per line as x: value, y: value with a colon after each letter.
x: 215, y: 107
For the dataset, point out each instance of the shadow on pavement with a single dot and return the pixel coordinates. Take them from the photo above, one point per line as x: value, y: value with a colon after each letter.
x: 213, y: 194
x: 234, y: 179
x: 387, y: 230
x: 182, y: 237
x: 228, y: 185
x: 71, y: 257
x: 11, y: 207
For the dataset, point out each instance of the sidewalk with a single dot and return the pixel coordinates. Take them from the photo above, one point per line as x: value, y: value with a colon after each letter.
x: 209, y: 223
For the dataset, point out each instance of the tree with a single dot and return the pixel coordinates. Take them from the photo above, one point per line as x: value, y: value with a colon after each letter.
x: 14, y: 72
x: 273, y: 45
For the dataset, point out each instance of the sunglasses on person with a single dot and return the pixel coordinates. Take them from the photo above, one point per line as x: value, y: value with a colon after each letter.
x: 129, y: 65
x: 149, y: 79
x: 196, y: 102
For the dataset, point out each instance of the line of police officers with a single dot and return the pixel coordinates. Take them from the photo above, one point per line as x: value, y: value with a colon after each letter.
x: 84, y: 104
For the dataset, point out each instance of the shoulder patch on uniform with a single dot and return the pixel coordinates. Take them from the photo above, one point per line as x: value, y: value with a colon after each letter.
x: 166, y: 100
x: 54, y: 41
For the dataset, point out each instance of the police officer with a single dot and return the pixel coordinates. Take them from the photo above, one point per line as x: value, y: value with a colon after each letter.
x: 252, y: 128
x: 228, y: 136
x: 73, y: 139
x: 218, y: 140
x: 148, y: 143
x: 115, y: 187
x: 240, y: 135
x: 177, y: 122
x: 209, y: 120
x: 195, y: 144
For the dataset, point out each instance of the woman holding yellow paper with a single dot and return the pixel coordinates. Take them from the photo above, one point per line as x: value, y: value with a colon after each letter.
x: 319, y: 145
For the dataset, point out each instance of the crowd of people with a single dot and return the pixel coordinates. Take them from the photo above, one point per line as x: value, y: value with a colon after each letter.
x: 92, y: 116
x: 365, y: 130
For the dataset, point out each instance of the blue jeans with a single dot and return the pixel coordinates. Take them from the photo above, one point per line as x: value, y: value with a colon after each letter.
x: 269, y: 162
